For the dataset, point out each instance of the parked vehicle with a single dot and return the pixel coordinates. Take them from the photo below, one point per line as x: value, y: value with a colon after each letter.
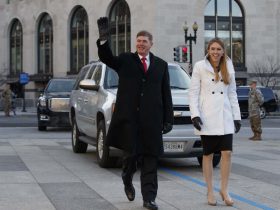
x: 269, y: 105
x: 53, y: 104
x: 92, y: 104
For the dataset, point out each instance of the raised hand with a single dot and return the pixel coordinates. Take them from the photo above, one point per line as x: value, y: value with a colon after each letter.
x: 103, y: 28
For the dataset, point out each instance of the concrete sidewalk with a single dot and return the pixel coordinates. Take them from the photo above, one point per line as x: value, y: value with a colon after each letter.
x: 273, y: 114
x: 28, y: 111
x: 39, y: 171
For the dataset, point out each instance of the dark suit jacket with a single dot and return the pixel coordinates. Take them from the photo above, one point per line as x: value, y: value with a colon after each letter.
x: 143, y: 102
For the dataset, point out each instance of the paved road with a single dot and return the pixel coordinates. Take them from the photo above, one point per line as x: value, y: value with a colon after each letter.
x: 39, y: 171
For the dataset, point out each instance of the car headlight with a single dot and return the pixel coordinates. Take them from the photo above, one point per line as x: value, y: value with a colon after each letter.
x: 43, y: 101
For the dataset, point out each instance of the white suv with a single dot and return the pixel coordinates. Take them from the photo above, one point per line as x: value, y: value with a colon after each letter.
x: 92, y: 104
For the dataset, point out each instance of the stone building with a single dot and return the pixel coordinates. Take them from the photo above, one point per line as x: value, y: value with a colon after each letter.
x: 54, y: 38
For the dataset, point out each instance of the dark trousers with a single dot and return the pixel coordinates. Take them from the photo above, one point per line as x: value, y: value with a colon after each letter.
x: 148, y: 178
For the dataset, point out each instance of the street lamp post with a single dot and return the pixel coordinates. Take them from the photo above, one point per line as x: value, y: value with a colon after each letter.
x: 190, y: 38
x: 19, y: 36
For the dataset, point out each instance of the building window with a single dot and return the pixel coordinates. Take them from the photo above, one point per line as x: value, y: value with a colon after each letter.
x: 225, y: 19
x: 120, y: 27
x: 45, y: 45
x: 79, y: 40
x: 16, y: 48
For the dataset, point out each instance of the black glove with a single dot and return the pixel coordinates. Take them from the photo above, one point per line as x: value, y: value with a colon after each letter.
x: 197, y: 122
x: 167, y: 127
x: 103, y: 27
x: 237, y: 125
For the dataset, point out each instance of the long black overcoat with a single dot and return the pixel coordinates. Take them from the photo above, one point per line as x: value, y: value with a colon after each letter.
x: 143, y: 102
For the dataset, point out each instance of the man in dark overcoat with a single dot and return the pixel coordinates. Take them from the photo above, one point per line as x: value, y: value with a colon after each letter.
x: 143, y: 110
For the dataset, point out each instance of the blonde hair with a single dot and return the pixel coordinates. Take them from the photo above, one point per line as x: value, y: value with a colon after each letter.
x: 223, y: 62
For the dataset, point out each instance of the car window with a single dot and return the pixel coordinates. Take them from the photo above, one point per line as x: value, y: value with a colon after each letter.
x: 179, y: 79
x: 242, y: 92
x: 90, y: 72
x: 267, y: 93
x: 97, y: 74
x: 80, y: 77
x: 60, y: 86
x: 111, y: 78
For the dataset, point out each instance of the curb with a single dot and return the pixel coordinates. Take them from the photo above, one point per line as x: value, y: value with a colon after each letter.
x: 19, y: 112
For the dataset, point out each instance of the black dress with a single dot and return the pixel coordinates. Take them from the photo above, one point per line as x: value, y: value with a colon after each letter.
x: 213, y: 144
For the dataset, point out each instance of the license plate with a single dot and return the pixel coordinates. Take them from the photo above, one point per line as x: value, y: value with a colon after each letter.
x: 173, y: 146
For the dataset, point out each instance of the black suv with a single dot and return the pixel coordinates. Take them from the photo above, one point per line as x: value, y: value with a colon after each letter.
x: 269, y: 105
x: 53, y: 104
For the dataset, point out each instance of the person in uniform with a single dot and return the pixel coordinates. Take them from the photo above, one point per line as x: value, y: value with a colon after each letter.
x: 13, y: 103
x: 215, y: 113
x: 7, y: 99
x: 143, y: 110
x: 255, y: 100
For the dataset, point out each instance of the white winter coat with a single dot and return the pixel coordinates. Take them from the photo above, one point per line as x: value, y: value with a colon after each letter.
x: 214, y: 102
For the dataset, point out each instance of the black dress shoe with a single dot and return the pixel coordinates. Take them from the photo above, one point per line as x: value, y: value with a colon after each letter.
x: 129, y: 191
x: 150, y: 205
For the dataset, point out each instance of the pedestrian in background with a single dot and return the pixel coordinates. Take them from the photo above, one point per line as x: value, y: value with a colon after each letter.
x: 143, y: 110
x: 13, y: 103
x: 215, y: 113
x: 7, y: 99
x: 255, y: 101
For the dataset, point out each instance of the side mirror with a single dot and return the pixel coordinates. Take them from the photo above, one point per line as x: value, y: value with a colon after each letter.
x: 89, y: 84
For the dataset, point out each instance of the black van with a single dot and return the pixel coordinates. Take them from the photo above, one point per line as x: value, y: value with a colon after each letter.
x: 269, y: 105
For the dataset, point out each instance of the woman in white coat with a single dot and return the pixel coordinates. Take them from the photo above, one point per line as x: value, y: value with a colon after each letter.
x: 215, y: 113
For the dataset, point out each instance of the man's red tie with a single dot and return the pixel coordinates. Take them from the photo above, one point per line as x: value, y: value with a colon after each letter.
x: 143, y: 59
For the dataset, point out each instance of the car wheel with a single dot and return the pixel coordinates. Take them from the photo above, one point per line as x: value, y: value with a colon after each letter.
x: 216, y: 160
x: 42, y: 127
x: 262, y: 112
x: 103, y: 152
x: 77, y: 145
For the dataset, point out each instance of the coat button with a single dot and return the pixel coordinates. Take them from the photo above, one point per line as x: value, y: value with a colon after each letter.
x: 137, y: 109
x: 143, y: 80
x: 213, y: 80
x: 222, y: 92
x: 213, y: 92
x: 142, y: 94
x: 222, y: 80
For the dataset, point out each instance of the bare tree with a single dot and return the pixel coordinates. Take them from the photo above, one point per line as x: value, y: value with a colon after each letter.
x: 267, y: 72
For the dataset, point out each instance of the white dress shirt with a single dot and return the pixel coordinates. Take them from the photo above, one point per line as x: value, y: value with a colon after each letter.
x: 147, y: 60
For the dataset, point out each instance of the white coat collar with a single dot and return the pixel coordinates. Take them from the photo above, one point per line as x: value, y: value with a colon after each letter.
x: 209, y: 67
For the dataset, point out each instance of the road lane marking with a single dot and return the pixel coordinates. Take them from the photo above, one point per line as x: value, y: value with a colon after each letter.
x: 203, y: 184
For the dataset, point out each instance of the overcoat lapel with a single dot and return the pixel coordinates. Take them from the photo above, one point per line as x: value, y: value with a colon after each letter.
x: 139, y: 63
x: 152, y: 63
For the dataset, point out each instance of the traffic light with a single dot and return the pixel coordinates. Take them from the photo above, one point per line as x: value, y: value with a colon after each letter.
x: 177, y: 54
x: 184, y: 54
